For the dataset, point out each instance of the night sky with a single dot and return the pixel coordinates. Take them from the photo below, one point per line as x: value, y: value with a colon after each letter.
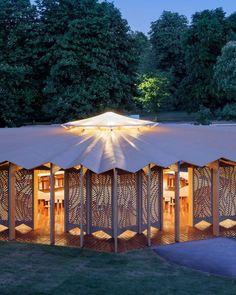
x: 140, y: 13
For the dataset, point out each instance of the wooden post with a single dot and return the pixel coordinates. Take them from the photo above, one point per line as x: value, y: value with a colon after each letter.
x: 12, y: 200
x: 66, y: 201
x: 215, y: 197
x: 190, y: 196
x: 177, y: 202
x: 88, y: 202
x: 161, y: 214
x: 35, y: 199
x: 81, y: 208
x: 139, y: 201
x: 149, y: 206
x: 115, y: 210
x: 52, y: 204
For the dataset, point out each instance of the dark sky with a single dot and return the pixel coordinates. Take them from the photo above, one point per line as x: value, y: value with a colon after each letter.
x: 140, y: 13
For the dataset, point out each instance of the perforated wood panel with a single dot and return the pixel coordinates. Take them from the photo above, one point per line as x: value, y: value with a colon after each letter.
x: 24, y: 197
x: 227, y: 194
x: 73, y: 203
x: 4, y: 197
x: 202, y: 196
x: 155, y: 197
x: 101, y: 202
x: 127, y: 201
x: 144, y: 199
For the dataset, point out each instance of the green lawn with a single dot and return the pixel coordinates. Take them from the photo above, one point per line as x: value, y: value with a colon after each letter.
x: 36, y: 269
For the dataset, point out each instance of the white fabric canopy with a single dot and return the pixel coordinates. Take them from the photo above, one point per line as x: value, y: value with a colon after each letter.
x: 127, y: 149
x: 109, y: 120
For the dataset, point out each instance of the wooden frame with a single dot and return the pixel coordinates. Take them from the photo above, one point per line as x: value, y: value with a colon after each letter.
x: 115, y: 210
x: 12, y: 200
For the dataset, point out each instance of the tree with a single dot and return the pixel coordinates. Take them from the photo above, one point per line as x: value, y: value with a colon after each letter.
x: 144, y: 53
x: 225, y: 73
x: 153, y: 91
x: 17, y: 92
x: 203, y: 42
x: 231, y: 22
x: 166, y: 39
x: 88, y: 58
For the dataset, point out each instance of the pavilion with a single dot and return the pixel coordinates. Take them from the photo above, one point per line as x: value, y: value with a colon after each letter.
x: 116, y: 174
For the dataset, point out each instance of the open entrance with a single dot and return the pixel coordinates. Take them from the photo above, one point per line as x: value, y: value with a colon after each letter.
x: 195, y: 204
x: 169, y: 201
x: 43, y: 195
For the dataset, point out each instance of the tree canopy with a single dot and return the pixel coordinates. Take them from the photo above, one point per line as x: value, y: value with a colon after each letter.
x: 66, y: 59
x: 153, y: 91
x: 203, y: 42
x: 225, y: 72
x: 166, y: 38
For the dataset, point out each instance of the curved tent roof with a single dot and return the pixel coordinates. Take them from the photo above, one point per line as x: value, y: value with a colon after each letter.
x: 127, y: 149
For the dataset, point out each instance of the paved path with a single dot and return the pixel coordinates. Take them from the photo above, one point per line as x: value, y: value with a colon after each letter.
x: 217, y: 255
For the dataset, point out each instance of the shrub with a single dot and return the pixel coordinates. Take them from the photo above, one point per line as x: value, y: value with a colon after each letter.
x: 204, y: 116
x: 229, y: 112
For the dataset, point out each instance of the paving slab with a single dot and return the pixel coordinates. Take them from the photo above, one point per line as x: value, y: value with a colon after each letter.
x: 216, y: 256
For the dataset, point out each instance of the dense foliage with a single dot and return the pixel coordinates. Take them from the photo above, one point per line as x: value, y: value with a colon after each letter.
x: 192, y: 50
x: 166, y: 38
x: 66, y: 59
x: 154, y: 89
x: 203, y: 42
x: 225, y: 72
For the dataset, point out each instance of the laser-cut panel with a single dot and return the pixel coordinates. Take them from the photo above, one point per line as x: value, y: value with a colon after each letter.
x: 127, y: 201
x: 101, y: 202
x: 24, y: 197
x: 227, y: 193
x: 73, y: 204
x: 4, y: 197
x: 202, y: 195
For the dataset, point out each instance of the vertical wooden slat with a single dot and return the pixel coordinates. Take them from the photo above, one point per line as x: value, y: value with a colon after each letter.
x: 161, y: 214
x: 115, y: 210
x: 12, y: 201
x: 52, y: 204
x: 66, y: 200
x: 215, y: 197
x: 149, y: 206
x: 35, y: 199
x: 139, y: 201
x: 190, y: 196
x: 177, y: 203
x: 88, y: 202
x: 81, y: 208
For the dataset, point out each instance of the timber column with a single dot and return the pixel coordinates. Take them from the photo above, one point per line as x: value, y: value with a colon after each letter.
x: 190, y: 196
x: 12, y: 200
x: 176, y: 169
x: 81, y: 208
x: 115, y: 210
x: 149, y: 206
x: 52, y: 204
x: 35, y: 199
x: 215, y: 197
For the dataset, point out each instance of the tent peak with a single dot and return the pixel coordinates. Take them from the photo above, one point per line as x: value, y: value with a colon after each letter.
x: 109, y: 120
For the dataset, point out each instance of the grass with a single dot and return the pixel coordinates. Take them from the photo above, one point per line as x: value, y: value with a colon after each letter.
x: 37, y: 269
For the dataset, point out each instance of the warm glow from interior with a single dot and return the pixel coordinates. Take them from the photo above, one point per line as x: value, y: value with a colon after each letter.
x: 109, y: 121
